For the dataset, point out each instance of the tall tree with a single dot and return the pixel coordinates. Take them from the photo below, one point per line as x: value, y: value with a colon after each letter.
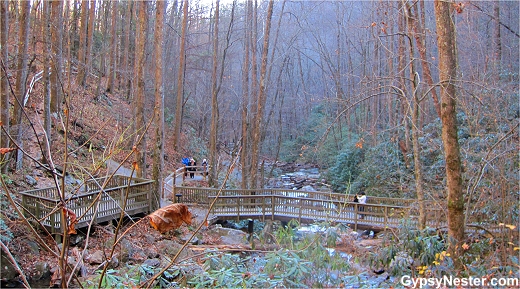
x: 90, y: 38
x: 47, y: 122
x: 244, y: 160
x: 180, y: 79
x: 257, y: 125
x: 22, y: 71
x: 4, y: 81
x: 82, y: 49
x: 113, y: 49
x: 126, y: 79
x: 158, y: 151
x: 21, y: 79
x: 497, y: 39
x: 448, y: 76
x: 415, y: 111
x: 214, y: 101
x: 139, y: 98
x: 416, y: 26
x: 216, y: 84
x: 57, y: 61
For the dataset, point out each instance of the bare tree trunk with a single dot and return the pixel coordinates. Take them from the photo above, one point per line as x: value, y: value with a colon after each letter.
x: 139, y: 98
x: 254, y: 92
x: 21, y: 79
x: 497, y: 39
x: 417, y: 160
x: 401, y: 68
x: 419, y: 34
x: 82, y: 49
x: 244, y: 159
x: 47, y: 121
x: 158, y: 151
x: 127, y: 80
x: 255, y: 150
x: 56, y: 61
x: 447, y: 76
x: 180, y: 79
x: 214, y: 102
x: 21, y: 74
x: 113, y: 49
x: 4, y: 81
x: 90, y: 38
x: 416, y: 124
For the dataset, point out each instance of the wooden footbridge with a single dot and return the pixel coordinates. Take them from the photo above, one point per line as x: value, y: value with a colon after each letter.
x: 103, y: 200
x: 306, y: 207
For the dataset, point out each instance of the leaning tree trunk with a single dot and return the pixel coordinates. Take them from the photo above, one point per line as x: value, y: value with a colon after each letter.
x: 420, y: 39
x: 447, y: 76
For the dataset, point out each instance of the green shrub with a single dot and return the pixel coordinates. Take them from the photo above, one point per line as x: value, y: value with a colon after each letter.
x: 412, y: 252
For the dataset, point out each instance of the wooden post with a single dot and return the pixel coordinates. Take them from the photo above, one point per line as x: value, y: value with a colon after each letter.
x: 300, y: 211
x: 238, y: 209
x: 386, y: 217
x: 263, y: 209
x: 273, y: 206
x: 355, y: 216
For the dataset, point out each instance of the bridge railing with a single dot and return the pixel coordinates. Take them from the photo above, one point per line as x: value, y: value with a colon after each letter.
x: 268, y: 203
x: 270, y: 207
x: 110, y: 196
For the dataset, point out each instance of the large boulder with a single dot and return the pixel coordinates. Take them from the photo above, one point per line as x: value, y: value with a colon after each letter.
x: 8, y: 273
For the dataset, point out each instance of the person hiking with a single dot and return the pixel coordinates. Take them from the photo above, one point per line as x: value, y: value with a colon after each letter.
x: 192, y: 168
x: 362, y: 199
x: 204, y: 167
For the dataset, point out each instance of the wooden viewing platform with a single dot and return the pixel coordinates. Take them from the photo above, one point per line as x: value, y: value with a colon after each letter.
x: 101, y: 199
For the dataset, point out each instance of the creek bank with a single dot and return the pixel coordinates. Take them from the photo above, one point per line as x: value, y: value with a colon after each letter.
x: 297, y: 176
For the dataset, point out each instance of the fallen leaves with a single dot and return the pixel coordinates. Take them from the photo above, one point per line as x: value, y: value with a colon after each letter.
x: 3, y: 151
x: 170, y: 217
x: 73, y: 219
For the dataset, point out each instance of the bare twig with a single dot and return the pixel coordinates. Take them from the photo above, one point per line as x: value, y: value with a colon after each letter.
x: 15, y: 265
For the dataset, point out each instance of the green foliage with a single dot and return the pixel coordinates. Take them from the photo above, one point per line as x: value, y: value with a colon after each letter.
x: 383, y: 172
x: 5, y: 232
x: 412, y: 249
x: 7, y: 180
x: 308, y: 264
x: 301, y: 147
x: 286, y: 235
x: 132, y: 276
x: 346, y: 168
